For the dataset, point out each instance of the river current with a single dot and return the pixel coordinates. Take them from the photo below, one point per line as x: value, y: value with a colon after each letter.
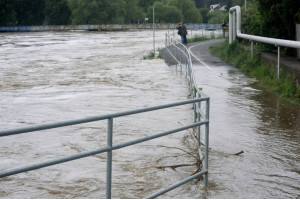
x: 56, y: 76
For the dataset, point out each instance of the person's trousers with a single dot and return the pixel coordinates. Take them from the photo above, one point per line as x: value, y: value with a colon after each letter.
x: 183, y: 39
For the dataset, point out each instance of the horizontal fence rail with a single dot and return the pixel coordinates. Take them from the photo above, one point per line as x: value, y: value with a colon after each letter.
x: 235, y: 31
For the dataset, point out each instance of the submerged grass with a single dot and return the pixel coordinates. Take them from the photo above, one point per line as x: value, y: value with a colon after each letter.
x: 239, y: 56
x: 149, y: 56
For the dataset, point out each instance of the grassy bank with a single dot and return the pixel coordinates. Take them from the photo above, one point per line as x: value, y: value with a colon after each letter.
x: 198, y: 38
x: 237, y: 55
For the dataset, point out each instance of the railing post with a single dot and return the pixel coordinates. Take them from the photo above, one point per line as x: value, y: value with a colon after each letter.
x: 234, y: 26
x: 194, y: 104
x: 251, y: 49
x: 199, y: 119
x: 206, y: 143
x: 278, y: 62
x: 109, y: 158
x: 166, y: 39
x: 230, y: 27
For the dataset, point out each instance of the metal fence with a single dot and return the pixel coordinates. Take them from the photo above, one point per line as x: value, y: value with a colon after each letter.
x: 200, y: 119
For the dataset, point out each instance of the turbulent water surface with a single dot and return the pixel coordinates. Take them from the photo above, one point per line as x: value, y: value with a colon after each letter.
x: 51, y: 77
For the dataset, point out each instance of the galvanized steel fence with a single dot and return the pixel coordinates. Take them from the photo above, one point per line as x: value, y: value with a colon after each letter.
x: 200, y: 119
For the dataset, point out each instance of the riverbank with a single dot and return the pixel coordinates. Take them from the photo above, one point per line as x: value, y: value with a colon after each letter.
x: 262, y: 67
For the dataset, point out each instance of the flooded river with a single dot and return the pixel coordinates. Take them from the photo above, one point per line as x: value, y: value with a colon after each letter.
x: 51, y: 77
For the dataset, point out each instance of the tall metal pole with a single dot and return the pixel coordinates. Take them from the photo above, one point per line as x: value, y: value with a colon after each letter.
x: 245, y: 6
x: 154, y: 31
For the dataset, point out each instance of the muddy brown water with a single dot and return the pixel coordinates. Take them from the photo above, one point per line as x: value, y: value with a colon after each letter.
x: 50, y: 77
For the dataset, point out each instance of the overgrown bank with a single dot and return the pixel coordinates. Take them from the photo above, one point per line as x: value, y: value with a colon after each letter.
x: 239, y: 56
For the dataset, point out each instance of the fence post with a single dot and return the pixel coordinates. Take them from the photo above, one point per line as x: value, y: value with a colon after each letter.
x: 166, y: 41
x: 206, y: 143
x: 109, y: 158
x: 230, y: 27
x: 278, y: 62
x: 199, y: 119
x: 251, y: 49
x: 234, y: 26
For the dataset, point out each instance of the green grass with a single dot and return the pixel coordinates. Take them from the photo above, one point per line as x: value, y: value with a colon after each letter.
x: 149, y: 56
x: 237, y: 55
x: 198, y: 38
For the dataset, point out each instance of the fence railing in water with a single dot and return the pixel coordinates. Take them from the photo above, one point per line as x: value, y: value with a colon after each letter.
x: 200, y: 119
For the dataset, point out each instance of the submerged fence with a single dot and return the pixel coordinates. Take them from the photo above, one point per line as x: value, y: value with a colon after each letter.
x: 200, y: 119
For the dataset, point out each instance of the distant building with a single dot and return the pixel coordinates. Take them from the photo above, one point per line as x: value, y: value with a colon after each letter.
x: 217, y: 7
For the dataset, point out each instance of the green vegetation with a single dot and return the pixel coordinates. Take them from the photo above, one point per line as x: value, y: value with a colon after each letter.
x: 65, y: 12
x: 149, y: 56
x: 275, y: 19
x: 198, y: 38
x: 238, y: 55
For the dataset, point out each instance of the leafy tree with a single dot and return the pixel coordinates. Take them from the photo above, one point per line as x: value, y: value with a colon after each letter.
x: 98, y: 11
x: 144, y: 4
x: 30, y: 12
x: 238, y: 2
x: 217, y: 16
x: 279, y: 18
x: 116, y: 11
x: 133, y: 12
x: 165, y: 13
x: 57, y: 12
x: 87, y: 12
x: 252, y: 21
x: 7, y: 13
x: 188, y: 8
x: 204, y: 13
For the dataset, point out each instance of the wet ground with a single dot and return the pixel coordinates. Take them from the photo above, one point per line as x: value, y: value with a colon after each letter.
x: 49, y: 77
x: 247, y: 118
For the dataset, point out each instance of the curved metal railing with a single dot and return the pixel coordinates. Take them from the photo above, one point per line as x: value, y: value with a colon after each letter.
x: 183, y: 58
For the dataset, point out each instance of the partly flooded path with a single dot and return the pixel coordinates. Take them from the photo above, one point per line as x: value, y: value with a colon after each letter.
x: 247, y: 118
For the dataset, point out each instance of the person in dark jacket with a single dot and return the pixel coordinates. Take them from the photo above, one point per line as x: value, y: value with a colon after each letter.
x: 224, y: 27
x: 182, y: 31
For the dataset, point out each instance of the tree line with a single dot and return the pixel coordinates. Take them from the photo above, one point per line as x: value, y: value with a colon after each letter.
x: 64, y: 12
x: 270, y: 18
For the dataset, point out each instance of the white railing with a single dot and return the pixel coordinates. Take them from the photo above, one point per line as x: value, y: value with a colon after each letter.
x: 235, y: 31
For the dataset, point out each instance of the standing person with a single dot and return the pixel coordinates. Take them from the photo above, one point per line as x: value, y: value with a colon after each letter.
x: 224, y: 27
x: 182, y: 31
